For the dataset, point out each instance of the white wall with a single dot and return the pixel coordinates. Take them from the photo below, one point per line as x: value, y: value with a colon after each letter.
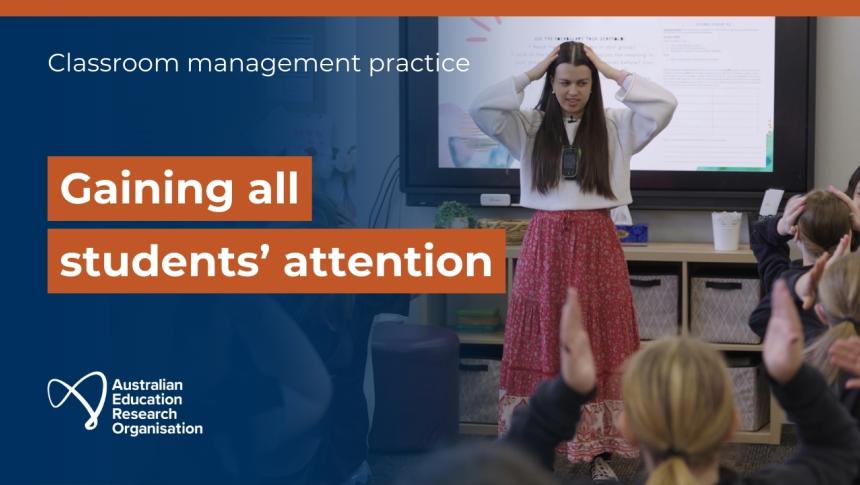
x: 837, y: 108
x: 837, y: 133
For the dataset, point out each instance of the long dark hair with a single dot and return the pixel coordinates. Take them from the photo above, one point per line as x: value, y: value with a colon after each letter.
x: 852, y: 183
x: 852, y: 188
x: 591, y: 138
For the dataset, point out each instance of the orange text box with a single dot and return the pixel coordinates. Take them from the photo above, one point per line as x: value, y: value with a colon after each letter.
x: 258, y: 260
x: 179, y: 188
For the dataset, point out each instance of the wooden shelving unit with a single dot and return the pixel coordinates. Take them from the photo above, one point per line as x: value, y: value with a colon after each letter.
x: 685, y: 254
x: 469, y: 338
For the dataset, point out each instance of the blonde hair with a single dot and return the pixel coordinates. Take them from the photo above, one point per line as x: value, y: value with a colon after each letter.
x: 823, y: 223
x: 839, y: 294
x: 678, y: 403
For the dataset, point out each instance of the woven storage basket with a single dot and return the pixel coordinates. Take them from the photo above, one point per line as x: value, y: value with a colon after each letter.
x: 720, y: 309
x: 515, y: 229
x: 655, y: 298
x: 751, y: 397
x: 479, y: 390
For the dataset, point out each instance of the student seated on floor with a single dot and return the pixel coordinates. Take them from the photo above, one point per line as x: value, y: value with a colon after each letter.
x: 816, y: 222
x: 838, y: 307
x: 678, y: 409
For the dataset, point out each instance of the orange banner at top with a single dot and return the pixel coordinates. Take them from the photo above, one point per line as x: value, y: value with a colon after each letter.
x: 189, y: 8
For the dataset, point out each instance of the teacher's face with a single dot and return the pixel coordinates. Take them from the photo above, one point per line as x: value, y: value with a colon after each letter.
x: 572, y: 87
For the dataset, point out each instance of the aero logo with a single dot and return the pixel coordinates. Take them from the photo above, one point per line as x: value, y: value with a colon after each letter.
x: 93, y: 420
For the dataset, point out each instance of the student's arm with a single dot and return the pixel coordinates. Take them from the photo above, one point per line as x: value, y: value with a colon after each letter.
x: 805, y: 286
x: 771, y: 251
x: 812, y: 326
x: 554, y: 409
x: 549, y: 419
x: 759, y: 317
x: 772, y: 256
x: 829, y: 449
x: 769, y: 241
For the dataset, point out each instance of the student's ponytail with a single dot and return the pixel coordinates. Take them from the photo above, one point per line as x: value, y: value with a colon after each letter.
x: 817, y: 354
x: 678, y: 403
x: 839, y: 296
x: 672, y: 471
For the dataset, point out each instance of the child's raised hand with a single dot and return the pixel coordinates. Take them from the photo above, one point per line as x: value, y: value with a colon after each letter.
x: 787, y: 224
x: 577, y: 362
x: 782, y: 351
x: 806, y: 286
x: 855, y: 210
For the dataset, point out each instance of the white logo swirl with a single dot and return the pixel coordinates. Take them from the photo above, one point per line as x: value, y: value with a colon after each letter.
x: 93, y: 421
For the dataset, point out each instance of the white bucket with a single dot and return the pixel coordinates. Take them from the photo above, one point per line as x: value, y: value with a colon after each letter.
x: 727, y: 230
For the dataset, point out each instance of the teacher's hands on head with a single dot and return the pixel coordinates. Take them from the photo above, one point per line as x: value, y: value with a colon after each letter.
x: 540, y: 68
x: 602, y: 67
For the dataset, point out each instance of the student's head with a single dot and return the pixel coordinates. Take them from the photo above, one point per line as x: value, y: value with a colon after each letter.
x: 678, y: 407
x: 839, y: 307
x: 572, y: 89
x: 853, y: 189
x: 479, y: 464
x: 822, y: 224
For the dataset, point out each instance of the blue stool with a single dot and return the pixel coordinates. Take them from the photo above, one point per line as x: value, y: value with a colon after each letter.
x: 416, y: 382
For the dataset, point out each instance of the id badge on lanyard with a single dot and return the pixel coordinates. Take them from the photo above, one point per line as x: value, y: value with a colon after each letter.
x: 569, y: 158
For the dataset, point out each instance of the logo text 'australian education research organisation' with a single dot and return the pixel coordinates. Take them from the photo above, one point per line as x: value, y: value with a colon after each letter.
x: 138, y: 407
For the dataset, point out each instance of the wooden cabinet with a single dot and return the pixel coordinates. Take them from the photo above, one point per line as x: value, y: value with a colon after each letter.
x: 691, y: 258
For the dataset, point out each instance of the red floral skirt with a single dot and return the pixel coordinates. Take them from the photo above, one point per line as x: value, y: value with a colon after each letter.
x: 579, y: 249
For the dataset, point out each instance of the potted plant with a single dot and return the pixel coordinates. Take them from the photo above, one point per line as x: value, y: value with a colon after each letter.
x: 453, y: 214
